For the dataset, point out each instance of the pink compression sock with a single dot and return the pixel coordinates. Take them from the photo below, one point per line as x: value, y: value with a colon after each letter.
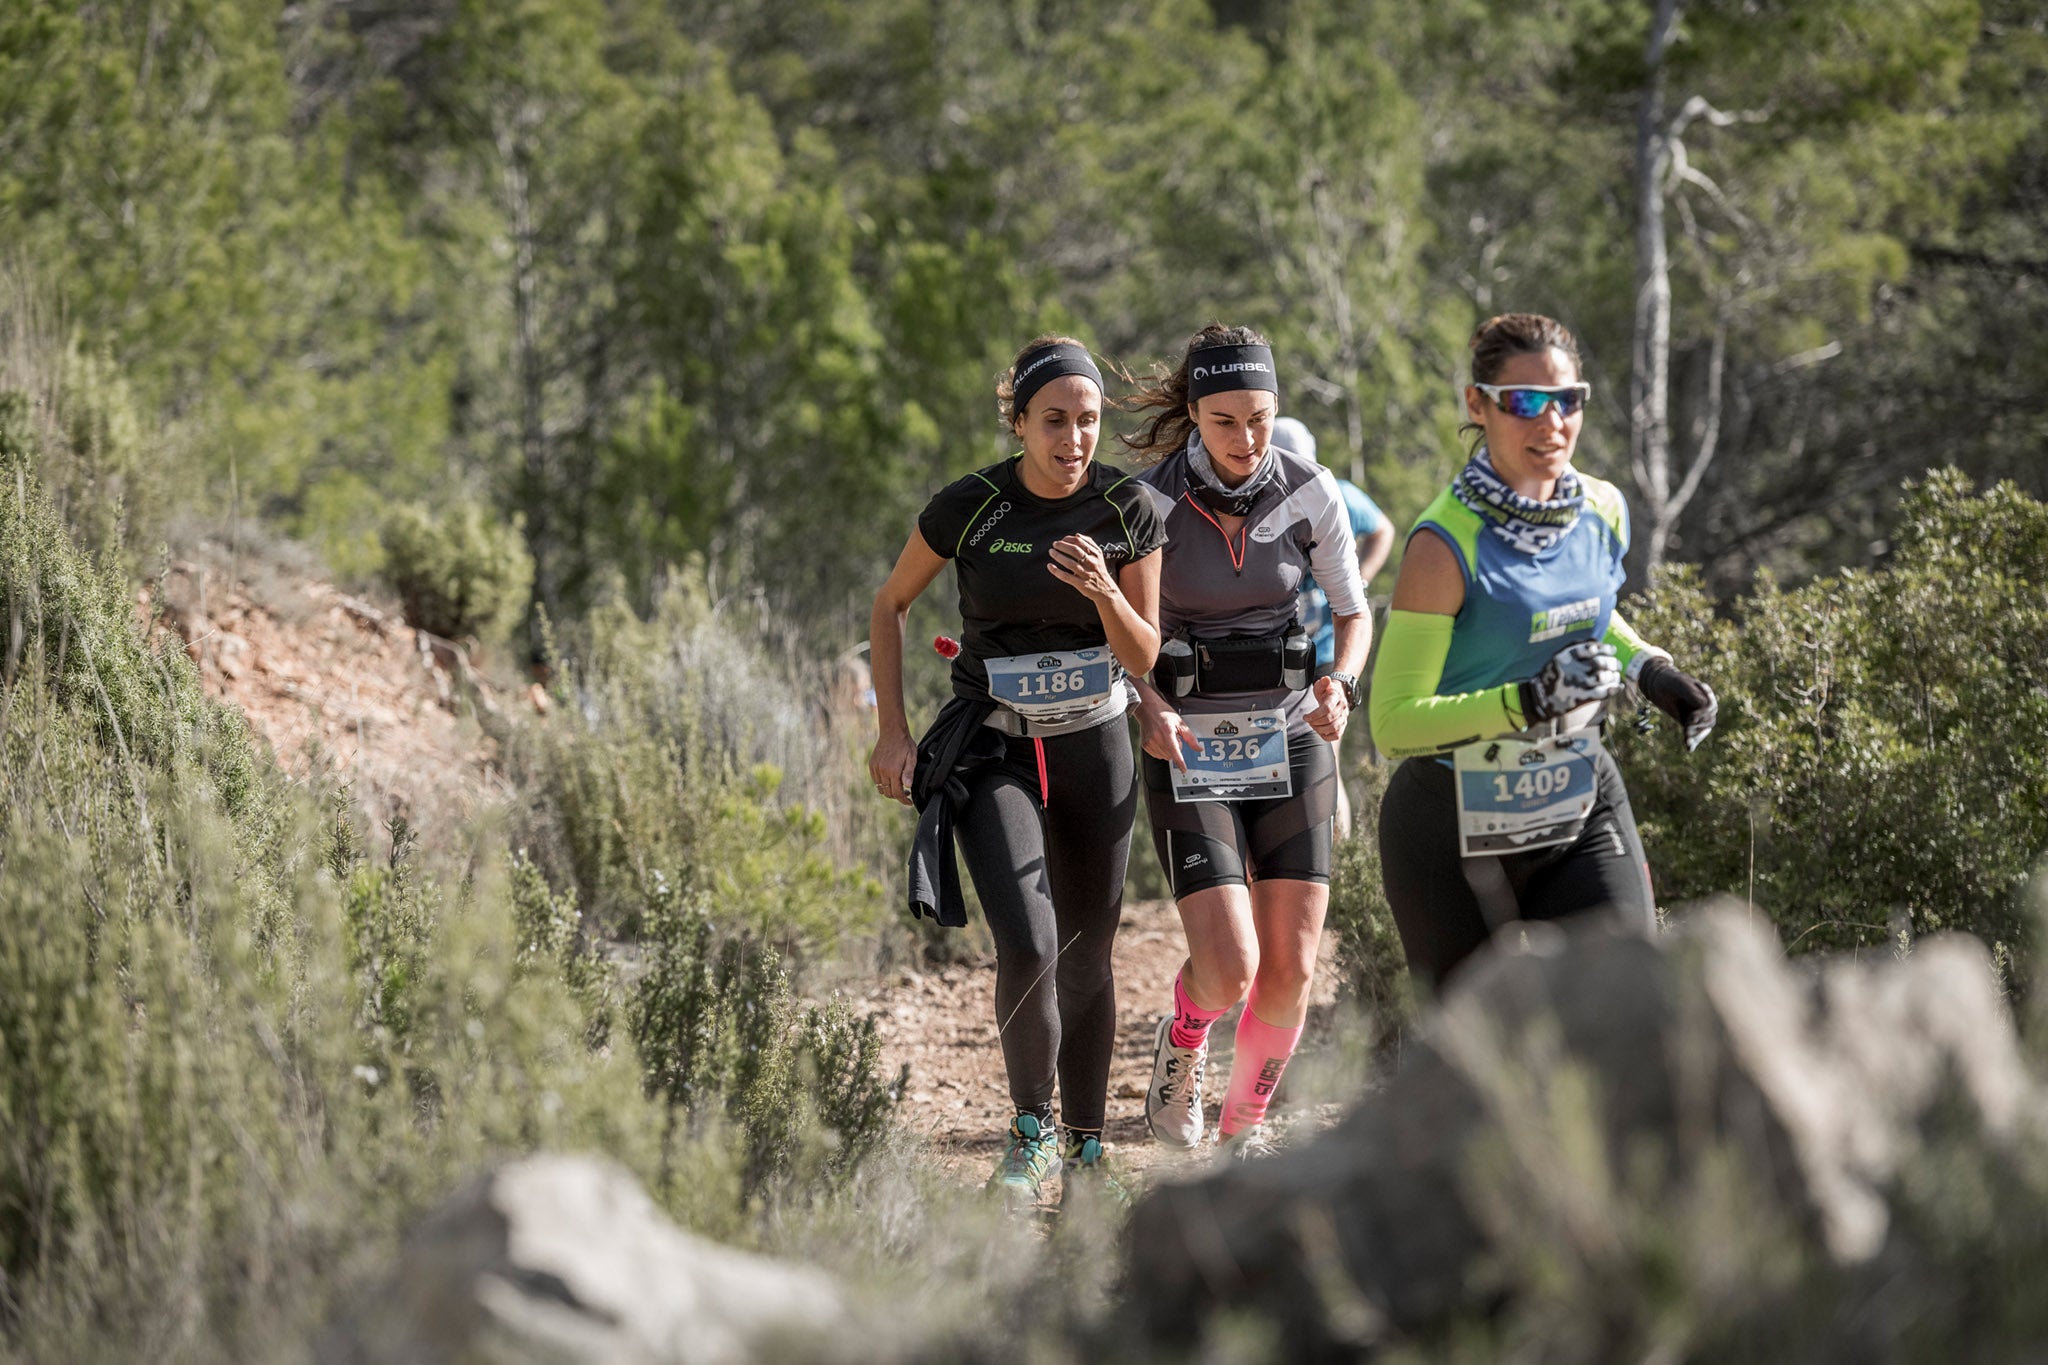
x: 1262, y: 1053
x: 1190, y: 1021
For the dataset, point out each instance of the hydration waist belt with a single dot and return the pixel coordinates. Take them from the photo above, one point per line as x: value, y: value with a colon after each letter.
x: 1254, y: 664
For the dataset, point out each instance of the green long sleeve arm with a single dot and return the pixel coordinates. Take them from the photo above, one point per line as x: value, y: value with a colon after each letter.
x: 1629, y: 647
x: 1408, y: 715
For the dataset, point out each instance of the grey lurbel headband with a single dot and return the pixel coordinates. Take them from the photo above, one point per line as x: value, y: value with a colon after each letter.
x: 1037, y: 368
x: 1222, y: 369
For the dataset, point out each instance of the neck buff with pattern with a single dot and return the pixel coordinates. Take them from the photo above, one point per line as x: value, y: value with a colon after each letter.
x: 1218, y: 496
x: 1528, y: 525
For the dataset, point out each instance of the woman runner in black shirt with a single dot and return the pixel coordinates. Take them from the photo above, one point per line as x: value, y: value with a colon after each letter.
x: 1059, y: 595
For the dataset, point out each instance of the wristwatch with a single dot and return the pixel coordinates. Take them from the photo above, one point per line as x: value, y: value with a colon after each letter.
x: 1348, y: 683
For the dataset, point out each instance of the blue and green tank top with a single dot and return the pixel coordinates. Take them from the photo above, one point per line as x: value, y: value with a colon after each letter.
x: 1520, y: 608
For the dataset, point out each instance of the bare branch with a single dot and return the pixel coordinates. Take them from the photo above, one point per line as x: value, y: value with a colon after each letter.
x: 1710, y: 435
x: 1322, y: 388
x: 1698, y: 108
x: 1687, y: 174
x: 1805, y: 358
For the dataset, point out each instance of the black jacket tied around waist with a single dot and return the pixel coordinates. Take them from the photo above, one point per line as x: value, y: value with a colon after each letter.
x: 956, y: 744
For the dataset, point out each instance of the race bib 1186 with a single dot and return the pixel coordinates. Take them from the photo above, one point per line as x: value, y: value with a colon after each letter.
x: 1052, y: 686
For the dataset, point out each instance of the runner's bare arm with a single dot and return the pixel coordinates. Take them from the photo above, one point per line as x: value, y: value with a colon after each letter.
x: 894, y: 757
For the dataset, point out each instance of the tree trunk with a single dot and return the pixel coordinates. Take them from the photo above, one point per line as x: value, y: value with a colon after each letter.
x: 529, y: 366
x: 1650, y: 374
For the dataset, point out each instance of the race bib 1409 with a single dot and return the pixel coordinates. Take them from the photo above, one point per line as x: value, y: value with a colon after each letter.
x: 1516, y: 794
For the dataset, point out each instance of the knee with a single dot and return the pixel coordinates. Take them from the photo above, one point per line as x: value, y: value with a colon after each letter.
x: 1285, y: 976
x: 1024, y: 959
x: 1084, y: 967
x: 1228, y: 975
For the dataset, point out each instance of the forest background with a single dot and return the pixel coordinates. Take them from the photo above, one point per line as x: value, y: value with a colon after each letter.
x: 727, y: 285
x: 629, y: 337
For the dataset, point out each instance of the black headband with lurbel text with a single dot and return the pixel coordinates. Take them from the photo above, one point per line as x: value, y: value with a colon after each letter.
x: 1037, y: 368
x: 1222, y: 369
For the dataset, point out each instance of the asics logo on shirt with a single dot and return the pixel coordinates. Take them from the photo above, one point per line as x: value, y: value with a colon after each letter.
x: 985, y: 526
x: 1555, y: 621
x: 1009, y: 547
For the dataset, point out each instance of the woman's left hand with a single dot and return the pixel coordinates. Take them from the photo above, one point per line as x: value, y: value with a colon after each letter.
x: 1332, y: 711
x: 1077, y: 561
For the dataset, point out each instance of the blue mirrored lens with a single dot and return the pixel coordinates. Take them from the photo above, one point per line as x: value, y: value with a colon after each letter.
x: 1527, y: 403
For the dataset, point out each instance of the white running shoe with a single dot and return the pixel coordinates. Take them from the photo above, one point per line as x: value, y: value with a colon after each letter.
x: 1173, y: 1102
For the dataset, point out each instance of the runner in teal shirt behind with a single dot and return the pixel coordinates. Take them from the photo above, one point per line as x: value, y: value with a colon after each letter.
x: 1372, y: 535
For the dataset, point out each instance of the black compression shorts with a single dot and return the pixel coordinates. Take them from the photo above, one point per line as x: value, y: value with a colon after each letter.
x: 1227, y: 843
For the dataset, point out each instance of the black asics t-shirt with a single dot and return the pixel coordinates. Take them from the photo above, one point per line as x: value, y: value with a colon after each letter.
x: 1000, y: 540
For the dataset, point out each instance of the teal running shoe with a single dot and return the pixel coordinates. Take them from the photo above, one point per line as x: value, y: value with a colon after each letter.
x: 1088, y: 1180
x: 1033, y: 1155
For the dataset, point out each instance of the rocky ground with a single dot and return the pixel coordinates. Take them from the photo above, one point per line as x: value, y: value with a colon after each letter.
x: 338, y: 684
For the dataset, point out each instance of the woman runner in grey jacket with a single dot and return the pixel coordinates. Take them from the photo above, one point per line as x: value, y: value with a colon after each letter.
x: 1239, y: 735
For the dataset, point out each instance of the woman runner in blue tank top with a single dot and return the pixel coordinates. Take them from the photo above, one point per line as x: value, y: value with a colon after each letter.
x: 1500, y: 652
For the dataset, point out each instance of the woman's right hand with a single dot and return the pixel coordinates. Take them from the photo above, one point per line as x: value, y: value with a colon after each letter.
x: 892, y: 763
x: 1164, y: 733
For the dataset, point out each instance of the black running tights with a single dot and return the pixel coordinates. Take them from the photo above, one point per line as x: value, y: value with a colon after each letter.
x: 1051, y: 882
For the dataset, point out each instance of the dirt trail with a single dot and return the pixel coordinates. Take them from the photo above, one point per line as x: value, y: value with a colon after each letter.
x: 943, y: 1024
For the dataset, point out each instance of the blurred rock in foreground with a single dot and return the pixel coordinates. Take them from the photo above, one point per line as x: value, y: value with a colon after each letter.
x: 565, y: 1259
x: 1692, y: 1112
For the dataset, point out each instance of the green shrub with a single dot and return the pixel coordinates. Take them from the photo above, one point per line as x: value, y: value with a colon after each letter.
x: 667, y: 758
x: 550, y: 939
x: 1881, y: 762
x: 239, y: 1046
x: 801, y: 1084
x: 108, y: 476
x: 458, y: 575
